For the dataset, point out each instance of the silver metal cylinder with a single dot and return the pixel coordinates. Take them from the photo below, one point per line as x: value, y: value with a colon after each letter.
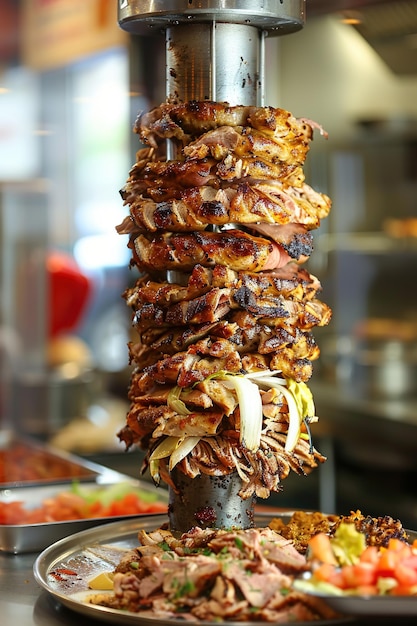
x: 212, y: 61
x: 275, y: 16
x: 208, y: 502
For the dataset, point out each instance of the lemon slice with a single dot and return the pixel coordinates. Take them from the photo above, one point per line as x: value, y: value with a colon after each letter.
x: 102, y: 581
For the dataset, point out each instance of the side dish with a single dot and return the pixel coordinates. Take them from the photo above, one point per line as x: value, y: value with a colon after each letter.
x: 259, y: 574
x: 78, y: 503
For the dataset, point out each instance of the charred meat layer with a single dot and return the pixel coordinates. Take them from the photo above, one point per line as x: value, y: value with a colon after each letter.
x: 222, y: 353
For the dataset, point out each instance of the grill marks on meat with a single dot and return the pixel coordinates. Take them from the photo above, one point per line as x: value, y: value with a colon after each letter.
x: 222, y: 320
x: 209, y: 307
x: 255, y: 294
x: 269, y: 315
x: 165, y: 180
x: 290, y: 282
x: 294, y: 238
x: 227, y: 173
x: 244, y: 141
x: 232, y: 173
x: 249, y: 349
x: 258, y: 338
x: 232, y: 216
x: 232, y: 248
x: 207, y: 575
x: 190, y: 119
x: 196, y: 208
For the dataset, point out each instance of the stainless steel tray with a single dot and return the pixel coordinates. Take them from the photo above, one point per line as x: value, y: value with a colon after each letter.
x: 22, y: 538
x: 24, y: 462
x: 99, y: 549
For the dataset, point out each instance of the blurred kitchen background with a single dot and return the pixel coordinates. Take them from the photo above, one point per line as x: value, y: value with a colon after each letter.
x: 71, y: 85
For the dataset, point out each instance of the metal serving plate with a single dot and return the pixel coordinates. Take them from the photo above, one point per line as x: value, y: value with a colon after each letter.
x: 373, y: 606
x: 20, y: 538
x: 99, y: 550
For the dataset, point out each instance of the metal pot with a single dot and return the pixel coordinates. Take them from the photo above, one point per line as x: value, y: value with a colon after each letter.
x: 43, y: 402
x: 388, y: 368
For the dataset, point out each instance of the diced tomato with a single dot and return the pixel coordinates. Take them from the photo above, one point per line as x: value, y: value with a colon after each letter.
x: 337, y: 579
x: 402, y: 590
x: 349, y: 576
x: 324, y: 572
x: 131, y: 504
x: 366, y: 573
x: 95, y: 509
x: 359, y: 575
x: 396, y: 545
x: 411, y: 561
x: 125, y: 506
x: 367, y: 590
x: 11, y: 512
x: 370, y: 555
x: 132, y: 501
x: 387, y: 562
x: 71, y: 506
x: 405, y: 575
x: 321, y: 548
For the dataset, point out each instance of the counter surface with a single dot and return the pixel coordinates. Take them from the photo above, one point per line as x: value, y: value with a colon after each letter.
x: 24, y: 603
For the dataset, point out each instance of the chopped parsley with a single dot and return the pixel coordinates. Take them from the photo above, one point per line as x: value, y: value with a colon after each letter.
x: 239, y: 543
x: 185, y: 588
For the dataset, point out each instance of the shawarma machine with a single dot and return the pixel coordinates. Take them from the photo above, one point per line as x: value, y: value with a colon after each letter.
x: 215, y: 50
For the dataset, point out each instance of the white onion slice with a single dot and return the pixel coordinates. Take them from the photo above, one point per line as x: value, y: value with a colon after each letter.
x: 154, y: 471
x: 174, y: 402
x: 183, y: 448
x: 250, y: 408
x: 262, y: 373
x: 165, y: 448
x: 295, y: 418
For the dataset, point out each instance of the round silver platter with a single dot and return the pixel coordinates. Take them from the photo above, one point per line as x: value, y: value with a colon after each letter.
x: 99, y: 549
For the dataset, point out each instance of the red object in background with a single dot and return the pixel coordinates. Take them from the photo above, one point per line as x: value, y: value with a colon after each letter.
x: 69, y: 291
x: 9, y: 30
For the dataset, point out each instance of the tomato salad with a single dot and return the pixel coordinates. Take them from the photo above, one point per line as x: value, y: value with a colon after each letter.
x: 346, y: 566
x: 80, y: 503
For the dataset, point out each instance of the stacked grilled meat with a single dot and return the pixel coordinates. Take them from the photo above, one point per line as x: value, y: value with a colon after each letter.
x: 223, y: 308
